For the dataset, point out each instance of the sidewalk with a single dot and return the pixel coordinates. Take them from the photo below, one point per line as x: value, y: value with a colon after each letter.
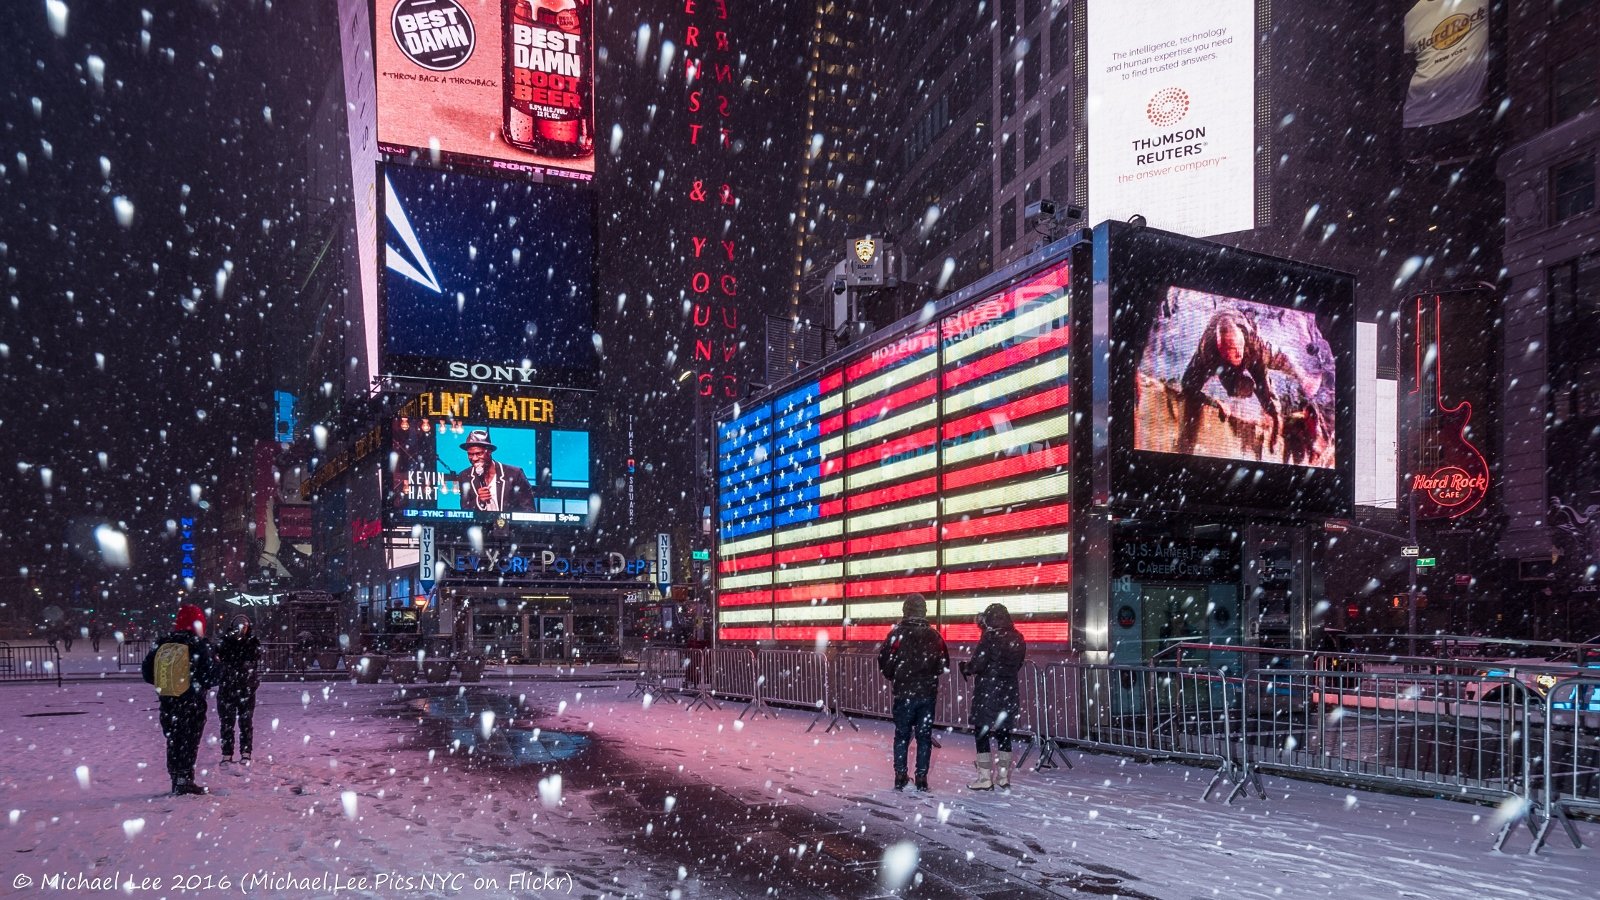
x: 368, y: 782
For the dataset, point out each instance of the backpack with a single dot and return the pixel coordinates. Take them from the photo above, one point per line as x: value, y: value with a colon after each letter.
x: 172, y: 669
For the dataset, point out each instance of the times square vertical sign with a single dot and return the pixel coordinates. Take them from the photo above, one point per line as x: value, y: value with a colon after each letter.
x: 710, y: 194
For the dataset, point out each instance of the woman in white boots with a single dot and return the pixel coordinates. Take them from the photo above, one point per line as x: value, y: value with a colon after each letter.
x: 996, y: 701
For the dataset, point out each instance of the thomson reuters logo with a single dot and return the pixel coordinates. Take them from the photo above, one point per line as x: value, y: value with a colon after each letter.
x: 1167, y: 107
x: 1450, y: 32
x: 435, y: 34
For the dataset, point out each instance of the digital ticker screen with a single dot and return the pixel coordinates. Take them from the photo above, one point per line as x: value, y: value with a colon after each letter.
x: 935, y: 464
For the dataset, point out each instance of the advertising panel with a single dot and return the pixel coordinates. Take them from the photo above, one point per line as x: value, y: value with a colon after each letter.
x: 1171, y: 111
x: 481, y: 471
x: 1231, y: 378
x: 506, y: 84
x: 934, y: 462
x: 1449, y: 42
x: 486, y: 280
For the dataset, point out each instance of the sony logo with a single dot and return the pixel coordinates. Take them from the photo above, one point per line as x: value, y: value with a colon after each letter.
x: 486, y: 372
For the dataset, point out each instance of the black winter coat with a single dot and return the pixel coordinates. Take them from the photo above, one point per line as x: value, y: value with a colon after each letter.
x: 241, y: 664
x: 995, y: 663
x: 913, y: 656
x: 204, y: 671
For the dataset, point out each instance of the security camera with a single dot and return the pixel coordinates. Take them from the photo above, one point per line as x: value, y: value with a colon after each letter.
x: 1040, y: 209
x: 839, y: 286
x: 1048, y: 216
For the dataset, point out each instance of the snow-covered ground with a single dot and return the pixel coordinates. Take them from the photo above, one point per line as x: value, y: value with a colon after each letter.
x: 357, y: 786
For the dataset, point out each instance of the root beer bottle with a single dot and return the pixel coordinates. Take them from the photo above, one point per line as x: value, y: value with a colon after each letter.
x: 548, y: 88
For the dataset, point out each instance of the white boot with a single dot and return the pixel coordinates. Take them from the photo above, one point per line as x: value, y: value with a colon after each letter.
x: 983, y: 763
x: 1002, y: 769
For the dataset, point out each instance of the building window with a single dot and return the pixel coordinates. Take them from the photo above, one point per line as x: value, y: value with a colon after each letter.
x: 1060, y: 42
x: 1008, y: 161
x: 1032, y: 140
x: 1008, y: 90
x: 1031, y: 194
x: 1060, y: 116
x: 1572, y: 188
x: 1030, y: 10
x: 1008, y: 20
x: 1574, y: 348
x: 1008, y: 224
x: 1572, y: 86
x: 1030, y: 70
x: 1059, y: 189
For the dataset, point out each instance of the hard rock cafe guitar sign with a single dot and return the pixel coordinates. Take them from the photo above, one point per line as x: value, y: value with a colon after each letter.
x: 1450, y: 476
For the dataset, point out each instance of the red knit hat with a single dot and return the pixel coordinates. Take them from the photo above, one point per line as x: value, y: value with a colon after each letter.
x: 191, y: 618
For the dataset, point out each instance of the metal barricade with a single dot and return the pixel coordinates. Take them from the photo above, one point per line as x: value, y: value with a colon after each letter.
x: 790, y: 678
x: 130, y: 654
x: 1054, y: 699
x: 1388, y: 730
x: 859, y: 689
x: 721, y: 674
x: 30, y: 662
x: 662, y: 672
x: 1570, y: 775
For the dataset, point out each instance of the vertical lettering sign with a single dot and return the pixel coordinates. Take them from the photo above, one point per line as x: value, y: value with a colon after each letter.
x: 710, y: 193
x: 186, y: 537
x: 425, y: 560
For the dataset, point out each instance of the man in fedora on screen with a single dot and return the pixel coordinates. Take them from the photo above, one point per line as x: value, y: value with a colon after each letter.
x: 489, y: 486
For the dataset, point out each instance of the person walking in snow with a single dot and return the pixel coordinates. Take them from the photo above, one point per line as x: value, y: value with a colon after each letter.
x: 241, y: 676
x: 183, y: 668
x: 996, y: 699
x: 912, y: 657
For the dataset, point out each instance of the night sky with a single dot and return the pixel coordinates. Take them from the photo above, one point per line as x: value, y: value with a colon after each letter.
x: 153, y: 221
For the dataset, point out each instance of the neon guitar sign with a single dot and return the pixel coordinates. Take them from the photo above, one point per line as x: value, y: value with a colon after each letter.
x: 1450, y: 477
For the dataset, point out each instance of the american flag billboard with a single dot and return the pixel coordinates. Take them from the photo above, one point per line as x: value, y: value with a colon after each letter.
x: 935, y: 463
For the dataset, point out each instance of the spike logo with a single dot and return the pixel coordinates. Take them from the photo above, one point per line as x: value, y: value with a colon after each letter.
x: 416, y: 267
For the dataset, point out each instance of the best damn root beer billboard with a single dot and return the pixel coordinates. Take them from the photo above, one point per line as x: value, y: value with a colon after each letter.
x: 505, y: 84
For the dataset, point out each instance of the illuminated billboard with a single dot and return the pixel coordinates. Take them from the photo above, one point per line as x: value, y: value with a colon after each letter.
x: 507, y: 84
x: 1235, y: 379
x: 485, y: 280
x: 1229, y: 379
x: 934, y: 461
x: 1170, y: 104
x: 481, y: 471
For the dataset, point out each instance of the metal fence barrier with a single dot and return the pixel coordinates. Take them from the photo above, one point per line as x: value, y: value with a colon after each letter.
x: 130, y: 654
x: 30, y: 662
x: 1570, y: 775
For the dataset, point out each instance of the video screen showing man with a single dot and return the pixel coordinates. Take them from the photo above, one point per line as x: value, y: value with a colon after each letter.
x: 1235, y: 379
x: 490, y: 486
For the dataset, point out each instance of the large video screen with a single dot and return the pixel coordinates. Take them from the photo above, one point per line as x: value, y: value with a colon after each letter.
x: 934, y: 461
x: 507, y: 84
x: 1170, y: 108
x: 1235, y: 379
x: 483, y: 471
x: 1230, y: 379
x: 484, y: 279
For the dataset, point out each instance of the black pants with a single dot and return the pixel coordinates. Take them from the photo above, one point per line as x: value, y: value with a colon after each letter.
x: 183, y: 719
x: 913, y: 716
x: 1002, y: 736
x: 241, y: 706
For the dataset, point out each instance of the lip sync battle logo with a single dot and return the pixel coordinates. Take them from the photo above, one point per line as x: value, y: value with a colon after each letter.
x: 435, y: 34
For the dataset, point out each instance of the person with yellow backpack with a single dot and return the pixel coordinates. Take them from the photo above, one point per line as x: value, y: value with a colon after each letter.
x: 183, y: 668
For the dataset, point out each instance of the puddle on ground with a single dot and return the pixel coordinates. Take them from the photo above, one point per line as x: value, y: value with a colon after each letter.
x: 489, y: 728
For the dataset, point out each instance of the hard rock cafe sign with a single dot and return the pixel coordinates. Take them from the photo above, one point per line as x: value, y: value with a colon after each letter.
x: 1452, y: 487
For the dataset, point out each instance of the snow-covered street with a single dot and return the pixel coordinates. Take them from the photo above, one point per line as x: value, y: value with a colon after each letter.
x: 363, y: 789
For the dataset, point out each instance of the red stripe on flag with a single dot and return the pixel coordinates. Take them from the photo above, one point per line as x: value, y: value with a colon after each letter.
x: 1005, y: 468
x: 915, y: 441
x: 960, y: 632
x: 831, y: 424
x: 830, y: 382
x: 866, y: 632
x: 805, y: 554
x: 891, y: 540
x: 882, y: 586
x: 830, y: 508
x: 831, y: 467
x: 1043, y: 517
x: 1008, y: 357
x: 922, y: 390
x: 744, y: 598
x: 759, y: 561
x: 824, y: 591
x: 807, y: 632
x: 744, y: 634
x: 1014, y: 411
x: 1048, y: 632
x: 889, y: 495
x: 1049, y: 574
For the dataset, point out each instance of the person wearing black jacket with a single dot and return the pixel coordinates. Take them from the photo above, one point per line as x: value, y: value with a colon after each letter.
x: 996, y: 699
x: 241, y: 675
x: 183, y: 717
x: 912, y: 657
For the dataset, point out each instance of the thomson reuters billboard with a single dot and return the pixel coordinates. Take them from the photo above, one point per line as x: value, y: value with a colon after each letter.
x: 1171, y: 97
x: 507, y: 84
